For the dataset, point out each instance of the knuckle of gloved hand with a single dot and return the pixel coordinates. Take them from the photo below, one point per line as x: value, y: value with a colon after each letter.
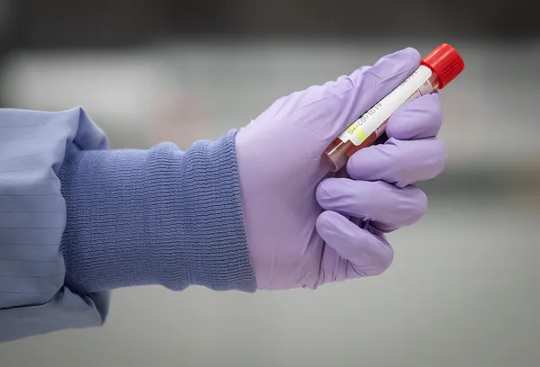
x: 335, y: 193
x: 377, y: 162
x: 412, y: 206
x: 402, y: 206
x: 428, y: 119
x: 433, y: 161
x: 323, y: 192
x: 382, y: 262
x: 441, y: 155
x: 326, y: 224
x: 421, y: 118
x: 429, y: 106
x: 366, y: 77
x: 346, y: 83
x: 417, y: 161
x: 399, y: 162
x: 434, y: 114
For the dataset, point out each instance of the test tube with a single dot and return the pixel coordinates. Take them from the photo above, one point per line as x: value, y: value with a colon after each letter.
x: 436, y: 70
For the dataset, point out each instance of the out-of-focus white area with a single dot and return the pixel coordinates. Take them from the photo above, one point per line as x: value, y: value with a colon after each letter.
x: 198, y: 90
x: 464, y: 287
x: 463, y: 291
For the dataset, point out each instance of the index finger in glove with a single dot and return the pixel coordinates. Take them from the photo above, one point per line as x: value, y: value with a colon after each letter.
x: 399, y: 162
x: 418, y: 119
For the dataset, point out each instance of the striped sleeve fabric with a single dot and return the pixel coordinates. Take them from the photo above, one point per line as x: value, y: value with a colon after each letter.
x: 33, y: 299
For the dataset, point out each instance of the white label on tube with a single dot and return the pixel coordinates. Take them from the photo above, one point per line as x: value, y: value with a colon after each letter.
x: 370, y: 121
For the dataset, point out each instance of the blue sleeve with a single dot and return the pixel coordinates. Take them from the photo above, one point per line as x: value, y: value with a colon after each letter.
x: 77, y: 220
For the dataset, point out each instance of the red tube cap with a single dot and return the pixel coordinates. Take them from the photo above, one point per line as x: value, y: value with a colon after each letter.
x: 445, y: 62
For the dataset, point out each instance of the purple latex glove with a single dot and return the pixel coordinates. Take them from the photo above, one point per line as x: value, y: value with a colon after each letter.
x: 304, y: 228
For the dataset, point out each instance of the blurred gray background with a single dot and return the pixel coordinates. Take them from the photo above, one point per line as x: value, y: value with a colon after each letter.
x: 464, y: 287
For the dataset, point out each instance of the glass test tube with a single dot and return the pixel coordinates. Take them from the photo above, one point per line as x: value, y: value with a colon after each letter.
x: 437, y: 69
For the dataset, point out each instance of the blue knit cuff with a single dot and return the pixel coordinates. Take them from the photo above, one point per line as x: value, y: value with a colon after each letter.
x: 160, y: 216
x: 199, y: 201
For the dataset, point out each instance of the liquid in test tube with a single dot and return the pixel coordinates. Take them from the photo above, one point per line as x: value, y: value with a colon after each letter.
x: 437, y: 69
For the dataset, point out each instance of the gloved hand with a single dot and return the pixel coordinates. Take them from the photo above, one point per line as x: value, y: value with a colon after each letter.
x: 305, y: 228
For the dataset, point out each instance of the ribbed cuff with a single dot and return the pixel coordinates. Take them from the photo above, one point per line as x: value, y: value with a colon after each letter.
x: 160, y: 216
